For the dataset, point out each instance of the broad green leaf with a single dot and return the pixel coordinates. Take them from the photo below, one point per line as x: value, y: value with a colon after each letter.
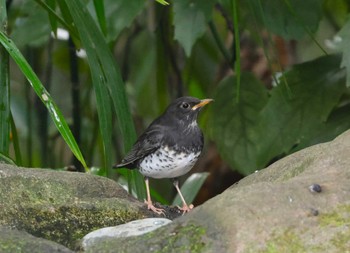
x: 120, y: 15
x: 31, y: 15
x: 190, y: 21
x: 45, y: 97
x: 233, y: 124
x: 293, y: 115
x: 106, y: 77
x: 344, y: 46
x: 337, y: 123
x: 191, y: 188
x: 291, y: 19
x: 337, y: 11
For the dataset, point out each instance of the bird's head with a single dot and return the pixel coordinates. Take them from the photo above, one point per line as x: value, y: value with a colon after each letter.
x: 186, y: 109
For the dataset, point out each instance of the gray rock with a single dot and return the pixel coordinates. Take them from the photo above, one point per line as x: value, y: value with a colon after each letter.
x: 270, y: 211
x: 133, y: 228
x: 12, y: 240
x: 63, y: 206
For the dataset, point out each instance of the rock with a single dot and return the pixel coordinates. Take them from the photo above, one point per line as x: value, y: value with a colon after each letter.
x: 12, y: 240
x: 272, y: 210
x: 63, y: 206
x: 133, y: 228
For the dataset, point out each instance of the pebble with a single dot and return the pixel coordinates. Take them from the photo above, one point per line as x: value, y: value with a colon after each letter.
x: 315, y: 188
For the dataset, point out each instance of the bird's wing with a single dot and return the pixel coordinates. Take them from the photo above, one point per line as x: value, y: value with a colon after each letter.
x: 147, y: 143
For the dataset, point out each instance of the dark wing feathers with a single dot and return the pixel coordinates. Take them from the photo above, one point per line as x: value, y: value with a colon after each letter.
x: 147, y: 143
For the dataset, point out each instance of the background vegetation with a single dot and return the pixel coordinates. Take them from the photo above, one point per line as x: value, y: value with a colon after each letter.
x: 79, y: 79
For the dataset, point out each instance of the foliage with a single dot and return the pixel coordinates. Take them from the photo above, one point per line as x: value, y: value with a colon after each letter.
x: 135, y: 56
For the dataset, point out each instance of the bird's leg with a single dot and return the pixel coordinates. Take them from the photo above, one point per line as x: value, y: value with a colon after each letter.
x: 150, y: 206
x: 185, y: 208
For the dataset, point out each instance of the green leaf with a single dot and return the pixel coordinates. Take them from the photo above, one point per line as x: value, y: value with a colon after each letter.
x: 31, y: 15
x: 233, y: 124
x: 6, y: 159
x: 337, y: 123
x: 52, y: 14
x: 87, y: 30
x: 291, y: 19
x: 52, y: 18
x: 100, y: 13
x: 294, y: 113
x: 337, y: 11
x: 343, y: 45
x: 191, y: 188
x: 190, y: 21
x: 163, y: 2
x: 120, y: 15
x: 106, y: 77
x: 45, y: 97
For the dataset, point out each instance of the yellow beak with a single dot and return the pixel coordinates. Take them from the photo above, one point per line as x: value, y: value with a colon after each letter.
x: 202, y: 103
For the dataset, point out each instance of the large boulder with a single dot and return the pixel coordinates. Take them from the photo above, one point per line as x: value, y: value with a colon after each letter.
x: 299, y: 204
x: 63, y: 206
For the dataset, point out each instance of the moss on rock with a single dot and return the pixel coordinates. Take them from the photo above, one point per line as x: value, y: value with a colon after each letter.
x: 13, y: 241
x: 63, y: 206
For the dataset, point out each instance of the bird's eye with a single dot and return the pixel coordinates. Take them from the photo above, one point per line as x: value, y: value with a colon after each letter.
x: 185, y: 105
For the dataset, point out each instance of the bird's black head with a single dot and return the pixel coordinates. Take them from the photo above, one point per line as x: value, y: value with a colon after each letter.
x: 186, y: 109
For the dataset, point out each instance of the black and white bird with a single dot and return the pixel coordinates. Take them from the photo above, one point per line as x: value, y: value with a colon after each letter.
x: 169, y: 147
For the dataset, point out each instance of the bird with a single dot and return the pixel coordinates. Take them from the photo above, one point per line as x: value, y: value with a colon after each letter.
x: 169, y: 147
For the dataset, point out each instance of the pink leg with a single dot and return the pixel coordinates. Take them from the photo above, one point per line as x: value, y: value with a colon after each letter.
x: 150, y: 206
x: 185, y: 208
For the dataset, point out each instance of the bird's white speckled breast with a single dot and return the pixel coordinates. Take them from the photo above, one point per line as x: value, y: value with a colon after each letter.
x: 165, y: 163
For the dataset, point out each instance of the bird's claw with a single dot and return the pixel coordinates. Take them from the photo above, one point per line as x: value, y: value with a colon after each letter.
x: 186, y: 208
x: 150, y: 206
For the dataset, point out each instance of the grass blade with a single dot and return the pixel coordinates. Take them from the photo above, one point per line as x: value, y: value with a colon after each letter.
x: 53, y: 14
x: 6, y: 159
x: 44, y: 96
x: 106, y: 75
x: 52, y: 18
x: 191, y: 188
x: 101, y: 17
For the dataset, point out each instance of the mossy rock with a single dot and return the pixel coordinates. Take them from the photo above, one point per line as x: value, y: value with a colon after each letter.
x: 63, y: 206
x: 15, y: 241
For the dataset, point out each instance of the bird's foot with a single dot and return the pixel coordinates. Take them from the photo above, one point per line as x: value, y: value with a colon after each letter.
x: 150, y: 206
x: 186, y: 208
